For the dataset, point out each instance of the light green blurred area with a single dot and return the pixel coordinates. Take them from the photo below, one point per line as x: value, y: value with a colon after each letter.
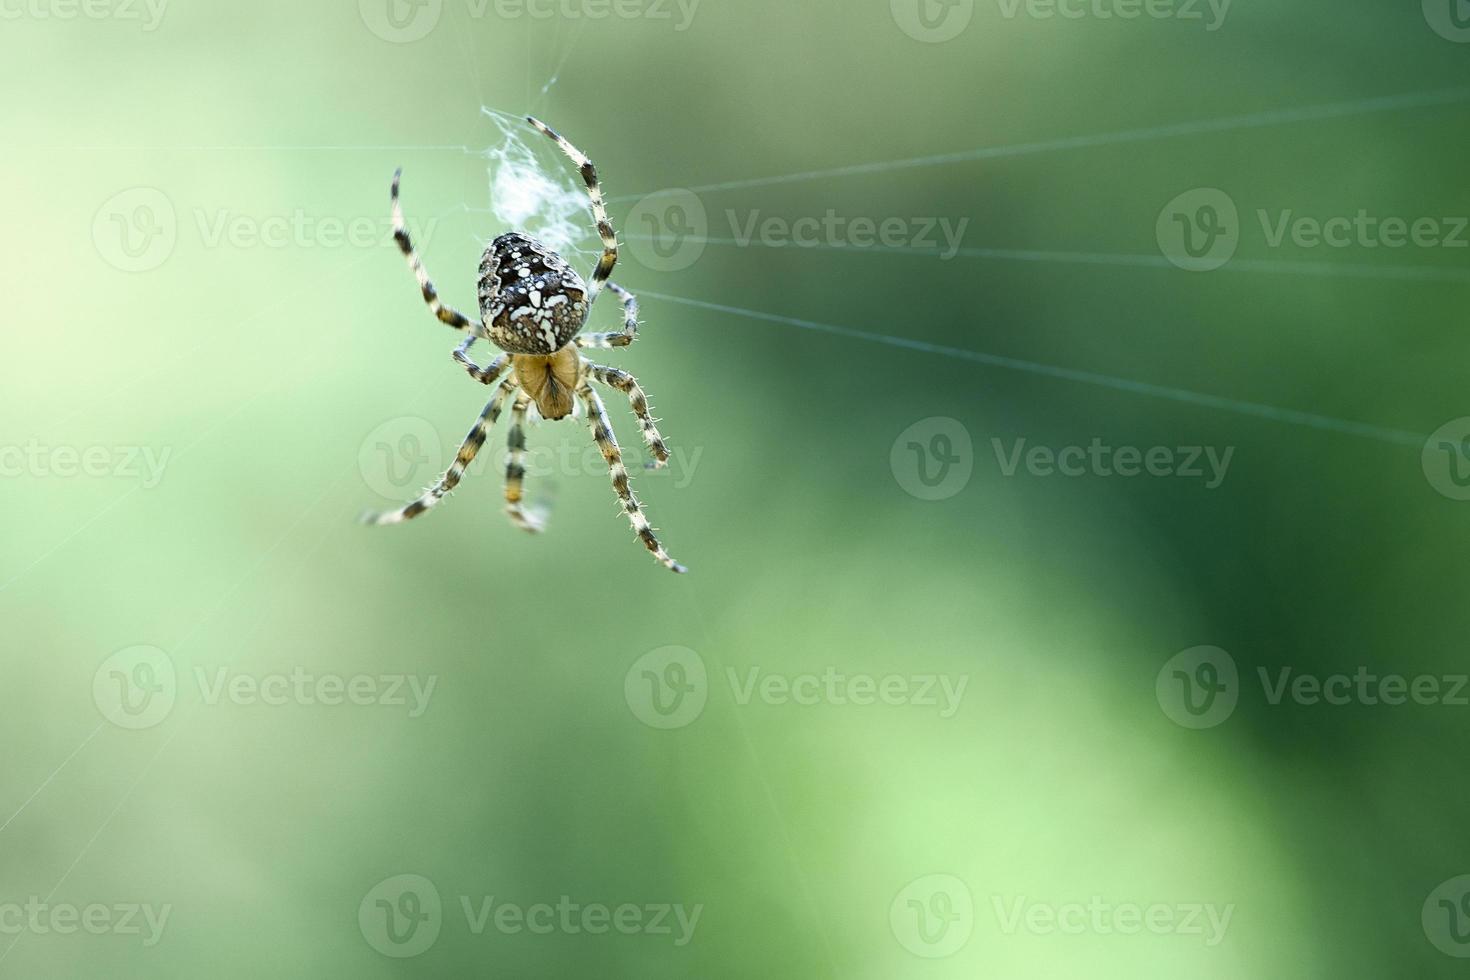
x: 276, y: 380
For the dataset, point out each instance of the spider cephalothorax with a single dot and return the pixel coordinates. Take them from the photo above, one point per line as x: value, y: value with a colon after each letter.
x: 533, y: 306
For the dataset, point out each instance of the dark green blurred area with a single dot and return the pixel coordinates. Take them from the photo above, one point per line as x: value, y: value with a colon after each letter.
x: 291, y: 382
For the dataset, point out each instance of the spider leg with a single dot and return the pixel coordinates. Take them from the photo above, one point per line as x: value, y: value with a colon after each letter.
x: 515, y: 469
x: 628, y: 385
x: 608, y: 443
x: 623, y: 337
x: 599, y: 209
x: 467, y: 453
x: 446, y: 314
x: 486, y: 375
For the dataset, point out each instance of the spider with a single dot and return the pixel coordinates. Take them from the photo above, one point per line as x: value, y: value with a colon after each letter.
x: 533, y: 307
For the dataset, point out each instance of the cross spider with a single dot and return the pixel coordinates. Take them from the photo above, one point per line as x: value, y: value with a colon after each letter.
x: 533, y: 306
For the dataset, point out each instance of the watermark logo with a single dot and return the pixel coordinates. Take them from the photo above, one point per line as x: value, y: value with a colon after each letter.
x: 1446, y: 917
x: 400, y: 21
x: 933, y: 459
x: 136, y: 688
x: 1364, y: 230
x: 680, y: 13
x: 1450, y: 19
x: 942, y: 692
x: 667, y: 688
x: 1102, y: 917
x: 932, y: 21
x: 667, y: 231
x: 39, y: 917
x: 136, y: 230
x: 410, y: 693
x: 942, y: 236
x: 1199, y: 230
x: 1446, y: 459
x: 933, y: 916
x: 1201, y: 687
x: 402, y: 455
x: 1198, y: 687
x: 147, y: 12
x: 573, y: 458
x: 406, y: 21
x: 571, y: 918
x: 1210, y: 13
x: 42, y: 462
x: 1207, y: 464
x: 670, y: 687
x: 299, y: 229
x: 1363, y: 687
x: 401, y: 916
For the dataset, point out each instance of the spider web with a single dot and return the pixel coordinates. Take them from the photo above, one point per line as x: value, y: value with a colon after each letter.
x: 534, y: 189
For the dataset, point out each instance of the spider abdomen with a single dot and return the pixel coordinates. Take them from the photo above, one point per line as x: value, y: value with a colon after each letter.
x: 532, y: 302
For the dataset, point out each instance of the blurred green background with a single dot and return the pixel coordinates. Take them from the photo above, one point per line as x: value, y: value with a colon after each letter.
x: 199, y: 274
